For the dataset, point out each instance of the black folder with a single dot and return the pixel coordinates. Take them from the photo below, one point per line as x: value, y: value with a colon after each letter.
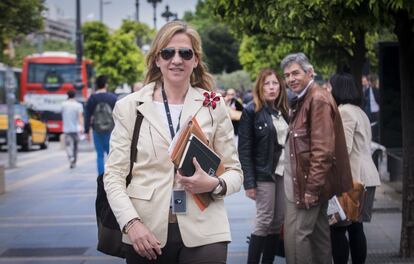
x: 207, y: 158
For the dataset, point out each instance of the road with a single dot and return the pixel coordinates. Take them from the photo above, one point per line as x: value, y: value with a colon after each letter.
x: 47, y: 214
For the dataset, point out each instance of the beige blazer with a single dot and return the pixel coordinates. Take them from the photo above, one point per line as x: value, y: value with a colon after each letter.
x: 148, y: 195
x: 358, y: 141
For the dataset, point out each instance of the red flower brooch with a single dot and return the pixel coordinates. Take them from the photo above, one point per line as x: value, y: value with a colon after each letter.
x: 211, y: 99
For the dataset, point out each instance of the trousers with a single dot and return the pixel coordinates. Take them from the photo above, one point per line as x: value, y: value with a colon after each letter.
x: 175, y: 252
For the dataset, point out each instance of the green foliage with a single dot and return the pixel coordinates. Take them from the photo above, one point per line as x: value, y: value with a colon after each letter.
x: 143, y: 33
x: 23, y: 48
x: 116, y: 54
x: 238, y: 80
x: 18, y: 18
x: 220, y: 47
x: 96, y: 39
x: 328, y: 30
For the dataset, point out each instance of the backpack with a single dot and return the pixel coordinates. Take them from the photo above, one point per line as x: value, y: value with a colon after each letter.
x: 102, y: 118
x: 109, y: 232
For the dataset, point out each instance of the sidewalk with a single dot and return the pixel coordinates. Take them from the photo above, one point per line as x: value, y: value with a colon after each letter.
x: 47, y: 215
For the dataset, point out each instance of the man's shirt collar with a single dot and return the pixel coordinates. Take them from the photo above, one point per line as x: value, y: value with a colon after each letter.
x: 301, y: 94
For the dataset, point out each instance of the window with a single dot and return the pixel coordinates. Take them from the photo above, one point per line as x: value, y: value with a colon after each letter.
x: 52, y: 73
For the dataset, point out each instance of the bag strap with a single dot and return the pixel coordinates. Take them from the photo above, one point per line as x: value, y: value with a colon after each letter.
x: 134, y: 150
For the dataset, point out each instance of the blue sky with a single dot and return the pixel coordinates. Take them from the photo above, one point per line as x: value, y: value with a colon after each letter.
x: 116, y: 10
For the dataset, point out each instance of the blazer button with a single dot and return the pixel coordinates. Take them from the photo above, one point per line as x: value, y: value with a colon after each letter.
x: 291, y: 155
x: 297, y: 202
x: 295, y: 135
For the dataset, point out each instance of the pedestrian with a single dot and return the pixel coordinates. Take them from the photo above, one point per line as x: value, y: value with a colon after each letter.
x: 177, y: 86
x: 371, y: 104
x: 263, y: 130
x: 234, y: 107
x: 99, y: 116
x: 72, y: 118
x: 317, y: 164
x: 137, y: 86
x: 358, y: 140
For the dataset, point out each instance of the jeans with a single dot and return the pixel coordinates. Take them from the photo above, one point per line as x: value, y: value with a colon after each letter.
x: 101, y: 141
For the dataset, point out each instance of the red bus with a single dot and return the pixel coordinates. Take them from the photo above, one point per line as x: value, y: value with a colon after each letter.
x: 45, y: 80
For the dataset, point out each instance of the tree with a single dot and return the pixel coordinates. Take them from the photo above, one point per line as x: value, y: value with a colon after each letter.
x: 238, y: 80
x: 19, y: 17
x: 96, y: 40
x: 220, y: 47
x: 401, y: 15
x: 143, y: 33
x: 337, y: 35
x: 123, y: 62
x: 115, y: 55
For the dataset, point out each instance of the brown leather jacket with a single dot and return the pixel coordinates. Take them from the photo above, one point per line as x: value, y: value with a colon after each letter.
x: 319, y: 157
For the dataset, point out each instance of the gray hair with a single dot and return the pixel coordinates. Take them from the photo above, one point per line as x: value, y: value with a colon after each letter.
x: 299, y: 58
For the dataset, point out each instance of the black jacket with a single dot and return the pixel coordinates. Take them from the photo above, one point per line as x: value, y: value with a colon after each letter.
x: 258, y: 148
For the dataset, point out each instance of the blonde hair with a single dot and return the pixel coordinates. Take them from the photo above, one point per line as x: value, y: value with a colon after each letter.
x: 280, y: 103
x: 200, y: 77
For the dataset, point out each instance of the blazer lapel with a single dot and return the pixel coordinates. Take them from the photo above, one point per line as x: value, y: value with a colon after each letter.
x: 147, y: 107
x: 192, y: 104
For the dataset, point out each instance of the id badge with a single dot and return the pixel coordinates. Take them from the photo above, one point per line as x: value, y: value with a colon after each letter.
x: 179, y: 202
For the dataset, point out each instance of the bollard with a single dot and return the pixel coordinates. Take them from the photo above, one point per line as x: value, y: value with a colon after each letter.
x: 2, y: 181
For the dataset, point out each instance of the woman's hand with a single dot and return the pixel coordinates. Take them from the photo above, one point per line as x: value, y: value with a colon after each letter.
x: 144, y: 241
x: 200, y: 182
x: 251, y: 193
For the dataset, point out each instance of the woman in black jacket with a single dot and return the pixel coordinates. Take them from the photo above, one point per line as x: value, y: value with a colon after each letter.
x: 263, y: 129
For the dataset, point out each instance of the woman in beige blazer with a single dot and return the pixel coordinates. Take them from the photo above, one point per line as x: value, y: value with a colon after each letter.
x: 358, y: 140
x: 177, y: 85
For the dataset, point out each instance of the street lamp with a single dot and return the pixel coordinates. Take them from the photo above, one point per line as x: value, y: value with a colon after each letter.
x: 101, y: 4
x: 79, y: 48
x: 154, y: 5
x: 167, y: 13
x: 137, y: 10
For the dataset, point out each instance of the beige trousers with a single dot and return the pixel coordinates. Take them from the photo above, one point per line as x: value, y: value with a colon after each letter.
x: 307, y: 235
x: 270, y: 207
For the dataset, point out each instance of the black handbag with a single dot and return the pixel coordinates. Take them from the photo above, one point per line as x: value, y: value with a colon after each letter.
x: 109, y: 232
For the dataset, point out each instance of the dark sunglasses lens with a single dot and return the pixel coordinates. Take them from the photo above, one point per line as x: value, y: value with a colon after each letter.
x: 167, y: 54
x: 186, y: 54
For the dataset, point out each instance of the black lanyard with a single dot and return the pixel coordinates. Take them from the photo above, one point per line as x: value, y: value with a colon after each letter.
x: 167, y: 111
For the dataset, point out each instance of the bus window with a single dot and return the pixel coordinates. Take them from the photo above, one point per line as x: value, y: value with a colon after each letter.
x: 41, y: 72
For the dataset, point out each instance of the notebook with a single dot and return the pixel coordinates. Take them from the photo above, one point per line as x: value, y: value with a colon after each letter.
x: 207, y: 158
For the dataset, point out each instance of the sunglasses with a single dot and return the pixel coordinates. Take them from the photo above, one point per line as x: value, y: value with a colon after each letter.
x: 168, y: 53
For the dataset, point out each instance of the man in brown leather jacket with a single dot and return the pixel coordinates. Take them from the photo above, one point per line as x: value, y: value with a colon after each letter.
x: 317, y: 164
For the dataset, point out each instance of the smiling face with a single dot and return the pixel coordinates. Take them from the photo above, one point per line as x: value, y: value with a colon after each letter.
x: 271, y: 88
x: 176, y: 70
x: 296, y: 78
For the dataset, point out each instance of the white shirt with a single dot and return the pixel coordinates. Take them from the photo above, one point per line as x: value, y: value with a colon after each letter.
x: 282, y: 131
x: 175, y: 111
x: 70, y: 116
x: 374, y: 105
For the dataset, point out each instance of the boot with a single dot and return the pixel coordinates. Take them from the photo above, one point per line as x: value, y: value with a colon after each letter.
x: 269, y: 249
x: 255, y: 249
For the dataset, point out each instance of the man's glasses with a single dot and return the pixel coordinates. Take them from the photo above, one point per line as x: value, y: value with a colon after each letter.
x: 168, y: 53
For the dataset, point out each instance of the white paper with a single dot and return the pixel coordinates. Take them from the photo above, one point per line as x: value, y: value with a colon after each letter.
x: 335, y: 207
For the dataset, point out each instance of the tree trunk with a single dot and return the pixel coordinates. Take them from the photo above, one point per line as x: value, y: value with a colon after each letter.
x: 404, y: 31
x: 358, y: 59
